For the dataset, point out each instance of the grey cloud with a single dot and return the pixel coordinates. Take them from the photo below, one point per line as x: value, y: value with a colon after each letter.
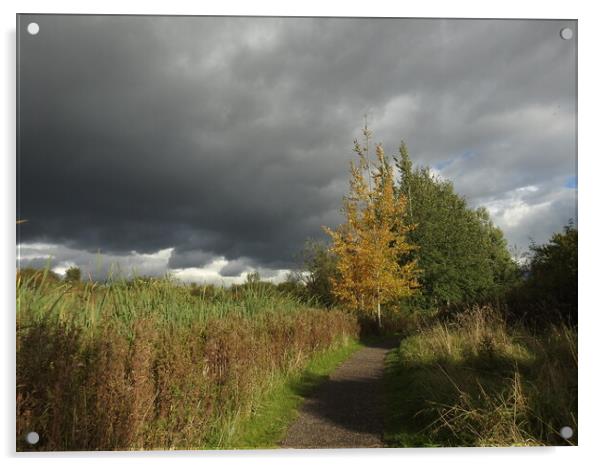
x: 231, y: 136
x: 531, y: 213
x: 235, y: 268
x: 97, y: 265
x: 183, y: 259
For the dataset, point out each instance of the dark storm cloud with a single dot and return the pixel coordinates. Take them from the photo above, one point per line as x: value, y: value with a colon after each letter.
x: 231, y: 136
x: 181, y: 259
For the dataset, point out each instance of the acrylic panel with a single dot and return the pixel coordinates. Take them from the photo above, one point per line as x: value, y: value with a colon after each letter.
x: 295, y: 232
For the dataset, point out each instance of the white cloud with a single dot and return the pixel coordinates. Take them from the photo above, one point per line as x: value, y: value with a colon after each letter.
x: 62, y: 268
x: 211, y: 273
x: 510, y: 213
x: 531, y: 213
x: 100, y: 266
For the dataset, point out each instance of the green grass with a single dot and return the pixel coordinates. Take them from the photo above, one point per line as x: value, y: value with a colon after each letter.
x: 478, y: 382
x: 84, y: 305
x: 277, y: 409
x: 402, y: 402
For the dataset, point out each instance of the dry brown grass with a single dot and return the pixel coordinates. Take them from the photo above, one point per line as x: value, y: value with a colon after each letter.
x: 477, y: 381
x: 140, y: 380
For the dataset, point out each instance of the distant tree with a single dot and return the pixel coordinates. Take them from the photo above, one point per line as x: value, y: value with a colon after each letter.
x: 371, y: 243
x: 551, y: 284
x: 293, y: 286
x: 462, y: 255
x: 73, y: 274
x: 320, y: 265
x: 254, y: 282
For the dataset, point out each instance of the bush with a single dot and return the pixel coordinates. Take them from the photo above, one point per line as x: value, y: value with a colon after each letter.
x: 73, y: 274
x: 321, y: 266
x: 549, y: 291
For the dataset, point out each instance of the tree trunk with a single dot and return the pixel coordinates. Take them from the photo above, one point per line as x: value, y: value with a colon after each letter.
x: 380, y: 325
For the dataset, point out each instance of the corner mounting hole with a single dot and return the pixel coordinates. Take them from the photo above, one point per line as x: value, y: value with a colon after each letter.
x: 33, y: 28
x: 566, y: 432
x: 32, y: 438
x: 566, y: 33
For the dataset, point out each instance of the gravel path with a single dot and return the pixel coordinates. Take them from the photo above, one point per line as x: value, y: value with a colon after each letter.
x: 346, y: 411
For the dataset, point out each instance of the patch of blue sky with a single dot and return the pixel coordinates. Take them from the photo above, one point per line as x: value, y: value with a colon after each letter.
x: 444, y: 164
x: 571, y: 182
x: 467, y: 154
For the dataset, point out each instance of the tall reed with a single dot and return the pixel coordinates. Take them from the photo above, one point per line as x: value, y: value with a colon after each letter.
x: 147, y: 364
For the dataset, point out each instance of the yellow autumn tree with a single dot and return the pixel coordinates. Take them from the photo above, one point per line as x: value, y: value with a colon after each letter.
x: 371, y: 244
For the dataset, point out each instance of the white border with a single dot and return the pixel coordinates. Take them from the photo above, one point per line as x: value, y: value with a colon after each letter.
x: 589, y: 209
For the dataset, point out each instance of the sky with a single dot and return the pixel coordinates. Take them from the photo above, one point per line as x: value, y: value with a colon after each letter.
x: 209, y: 147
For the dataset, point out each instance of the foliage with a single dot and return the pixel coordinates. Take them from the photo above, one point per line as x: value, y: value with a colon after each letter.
x: 476, y: 381
x: 321, y: 266
x: 73, y: 274
x: 371, y: 243
x: 549, y: 291
x: 463, y: 256
x: 294, y: 287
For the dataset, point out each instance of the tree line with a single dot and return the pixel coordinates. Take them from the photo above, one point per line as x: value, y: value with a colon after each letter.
x: 409, y: 242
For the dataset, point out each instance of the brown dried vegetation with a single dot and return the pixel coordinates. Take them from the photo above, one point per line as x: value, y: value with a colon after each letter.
x: 95, y: 372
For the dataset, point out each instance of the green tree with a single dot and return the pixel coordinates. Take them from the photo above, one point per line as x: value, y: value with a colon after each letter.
x: 293, y: 286
x: 320, y: 265
x: 504, y: 269
x: 551, y: 285
x: 73, y: 274
x: 462, y: 255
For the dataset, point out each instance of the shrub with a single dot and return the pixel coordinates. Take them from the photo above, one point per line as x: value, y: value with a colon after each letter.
x: 549, y: 292
x: 73, y: 274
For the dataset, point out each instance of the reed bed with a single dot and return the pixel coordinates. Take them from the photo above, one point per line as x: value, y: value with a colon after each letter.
x: 148, y: 364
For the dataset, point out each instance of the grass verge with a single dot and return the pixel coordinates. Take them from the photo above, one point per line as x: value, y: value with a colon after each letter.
x: 476, y: 381
x: 401, y: 428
